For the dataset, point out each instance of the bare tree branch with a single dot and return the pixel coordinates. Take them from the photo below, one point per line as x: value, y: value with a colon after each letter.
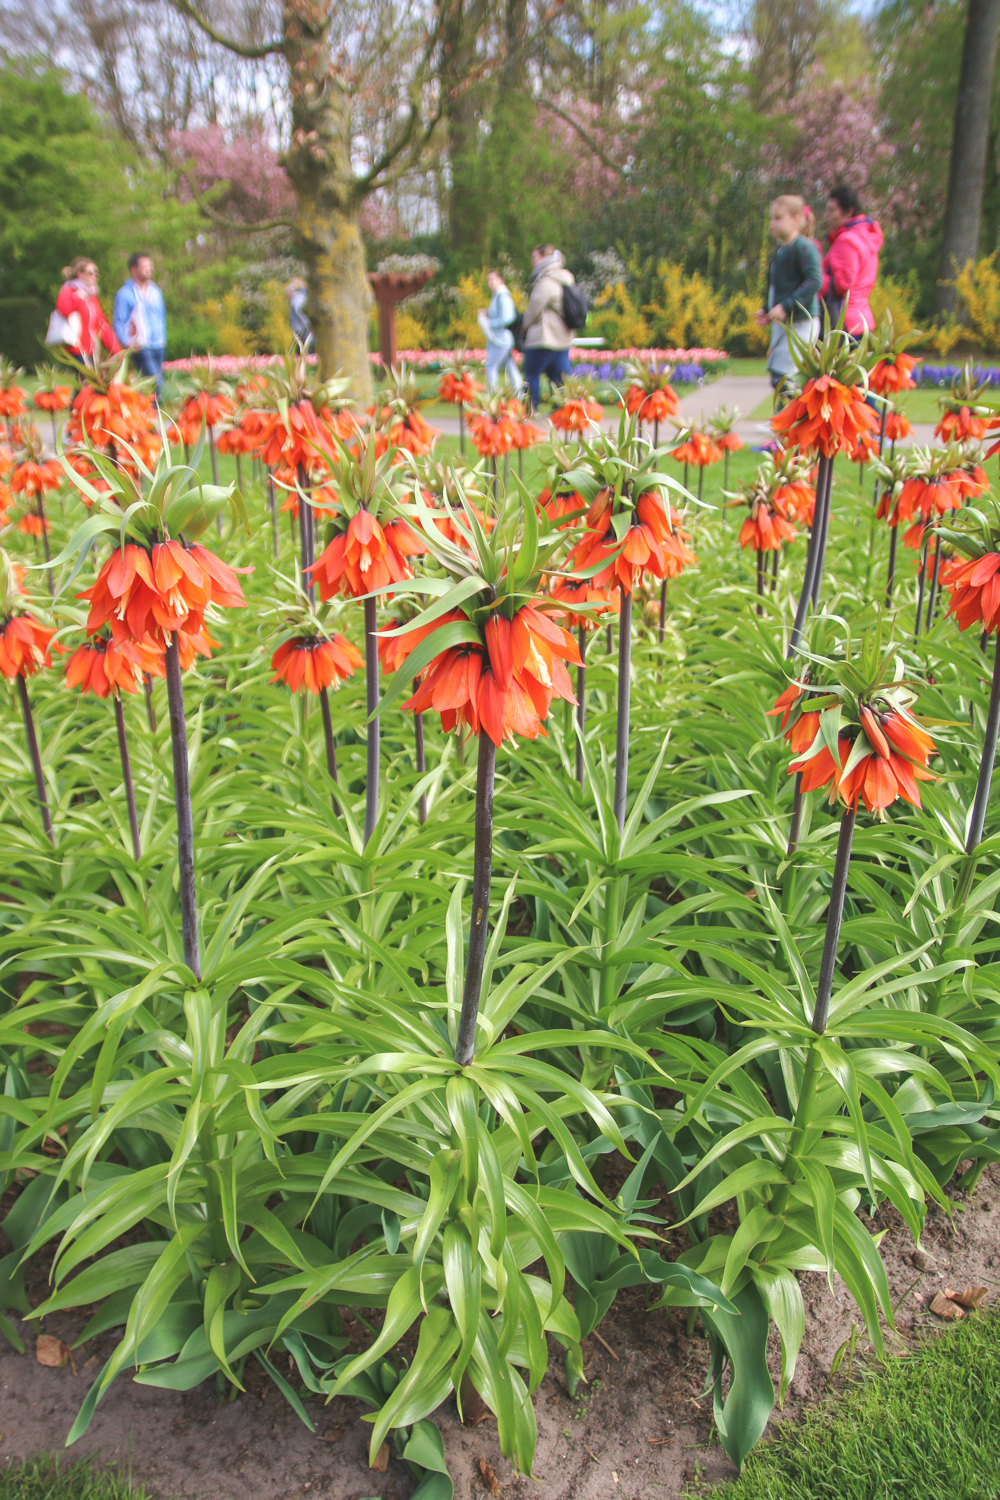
x: 253, y: 53
x: 403, y: 139
x: 216, y: 218
x: 587, y: 138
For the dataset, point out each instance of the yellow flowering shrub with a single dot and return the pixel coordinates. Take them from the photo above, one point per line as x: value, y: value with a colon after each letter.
x: 897, y: 297
x: 617, y: 320
x: 688, y: 313
x: 741, y: 330
x: 978, y: 286
x: 473, y: 293
x: 276, y: 334
x: 411, y: 333
x: 224, y: 317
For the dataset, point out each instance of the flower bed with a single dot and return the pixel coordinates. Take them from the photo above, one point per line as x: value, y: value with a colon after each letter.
x: 586, y: 361
x: 942, y: 376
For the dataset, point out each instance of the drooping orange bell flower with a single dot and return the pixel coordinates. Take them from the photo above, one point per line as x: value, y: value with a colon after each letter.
x: 506, y: 686
x: 202, y: 407
x: 652, y: 406
x: 698, y: 450
x: 458, y: 389
x: 768, y: 525
x: 57, y: 399
x: 799, y: 500
x: 897, y: 426
x: 13, y: 402
x: 895, y: 760
x: 960, y: 426
x: 892, y: 373
x: 366, y: 556
x: 554, y: 508
x: 568, y: 593
x: 140, y: 594
x: 826, y: 418
x: 975, y: 590
x: 577, y: 415
x: 101, y: 667
x: 492, y: 437
x: 24, y: 646
x: 655, y: 543
x: 32, y: 479
x: 32, y: 524
x: 314, y: 662
x: 921, y: 499
x: 799, y: 726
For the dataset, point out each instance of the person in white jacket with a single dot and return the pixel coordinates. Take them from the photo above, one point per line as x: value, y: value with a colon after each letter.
x: 495, y: 322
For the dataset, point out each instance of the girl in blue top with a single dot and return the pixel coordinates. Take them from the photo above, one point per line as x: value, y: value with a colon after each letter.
x: 495, y: 323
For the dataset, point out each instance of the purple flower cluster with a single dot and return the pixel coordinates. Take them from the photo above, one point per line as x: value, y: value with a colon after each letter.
x: 617, y: 374
x: 943, y: 375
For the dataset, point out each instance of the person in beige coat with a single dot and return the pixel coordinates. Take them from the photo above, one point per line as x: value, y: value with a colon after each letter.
x: 546, y: 338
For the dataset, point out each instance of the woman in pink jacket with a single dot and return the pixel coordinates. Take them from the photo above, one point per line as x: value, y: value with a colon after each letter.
x: 79, y: 305
x: 850, y: 265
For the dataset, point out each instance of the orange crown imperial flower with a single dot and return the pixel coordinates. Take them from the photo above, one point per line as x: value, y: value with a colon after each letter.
x: 140, y: 593
x: 366, y: 556
x: 57, y: 399
x: 892, y: 373
x: 698, y: 449
x: 458, y: 389
x: 503, y: 685
x: 975, y: 590
x: 655, y: 542
x: 315, y: 662
x: 24, y: 646
x: 885, y: 761
x: 652, y: 406
x: 799, y: 725
x: 32, y: 479
x: 829, y: 417
x: 577, y: 415
x: 99, y: 666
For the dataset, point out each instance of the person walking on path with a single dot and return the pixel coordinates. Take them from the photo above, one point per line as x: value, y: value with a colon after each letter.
x: 496, y: 321
x: 140, y: 319
x: 547, y: 339
x: 297, y: 293
x: 794, y: 278
x: 850, y: 267
x: 84, y: 325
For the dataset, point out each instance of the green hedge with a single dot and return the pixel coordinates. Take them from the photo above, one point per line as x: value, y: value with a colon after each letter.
x: 23, y: 323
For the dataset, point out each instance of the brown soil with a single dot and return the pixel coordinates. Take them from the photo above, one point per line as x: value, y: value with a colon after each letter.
x: 640, y: 1431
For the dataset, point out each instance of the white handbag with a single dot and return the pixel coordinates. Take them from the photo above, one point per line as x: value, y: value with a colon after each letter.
x: 64, y: 330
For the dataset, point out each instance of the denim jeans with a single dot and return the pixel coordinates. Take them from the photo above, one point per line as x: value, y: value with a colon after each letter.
x: 149, y: 363
x: 500, y: 361
x: 538, y: 362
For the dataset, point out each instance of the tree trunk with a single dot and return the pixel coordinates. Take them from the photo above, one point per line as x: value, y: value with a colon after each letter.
x: 969, y: 141
x: 461, y: 24
x: 328, y: 198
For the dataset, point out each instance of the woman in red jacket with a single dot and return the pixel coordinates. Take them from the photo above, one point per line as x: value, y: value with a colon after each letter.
x: 850, y: 266
x: 78, y: 304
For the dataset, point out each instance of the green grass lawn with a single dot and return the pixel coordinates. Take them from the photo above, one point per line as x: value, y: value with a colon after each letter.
x: 927, y: 1428
x: 46, y: 1479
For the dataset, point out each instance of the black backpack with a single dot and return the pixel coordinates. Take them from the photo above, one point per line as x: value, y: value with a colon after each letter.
x: 574, y: 307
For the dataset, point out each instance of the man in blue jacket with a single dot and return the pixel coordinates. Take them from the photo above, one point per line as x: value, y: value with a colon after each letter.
x: 140, y: 319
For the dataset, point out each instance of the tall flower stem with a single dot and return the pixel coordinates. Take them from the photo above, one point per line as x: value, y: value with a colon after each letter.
x: 824, y: 534
x: 482, y: 869
x: 306, y: 534
x: 834, y: 920
x: 182, y: 803
x: 935, y: 579
x: 624, y: 705
x: 581, y: 701
x: 891, y: 576
x: 421, y: 757
x: 921, y: 583
x: 371, y: 687
x: 133, y: 821
x: 147, y: 683
x: 979, y: 803
x: 774, y: 569
x: 796, y: 823
x: 761, y: 574
x: 239, y: 474
x: 274, y: 513
x: 812, y: 571
x: 821, y: 1010
x: 608, y: 640
x: 36, y: 759
x: 661, y: 631
x: 461, y: 429
x: 881, y: 445
x: 725, y: 471
x: 331, y: 749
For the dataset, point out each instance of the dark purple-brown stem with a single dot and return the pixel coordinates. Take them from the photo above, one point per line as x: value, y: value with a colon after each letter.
x: 147, y: 683
x: 331, y: 749
x: 482, y: 870
x: 421, y: 756
x: 921, y: 582
x: 182, y: 804
x: 624, y: 705
x: 36, y: 759
x: 371, y: 695
x: 275, y: 541
x: 581, y: 700
x: 891, y: 576
x: 663, y: 611
x: 306, y: 535
x: 761, y: 575
x: 133, y: 821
